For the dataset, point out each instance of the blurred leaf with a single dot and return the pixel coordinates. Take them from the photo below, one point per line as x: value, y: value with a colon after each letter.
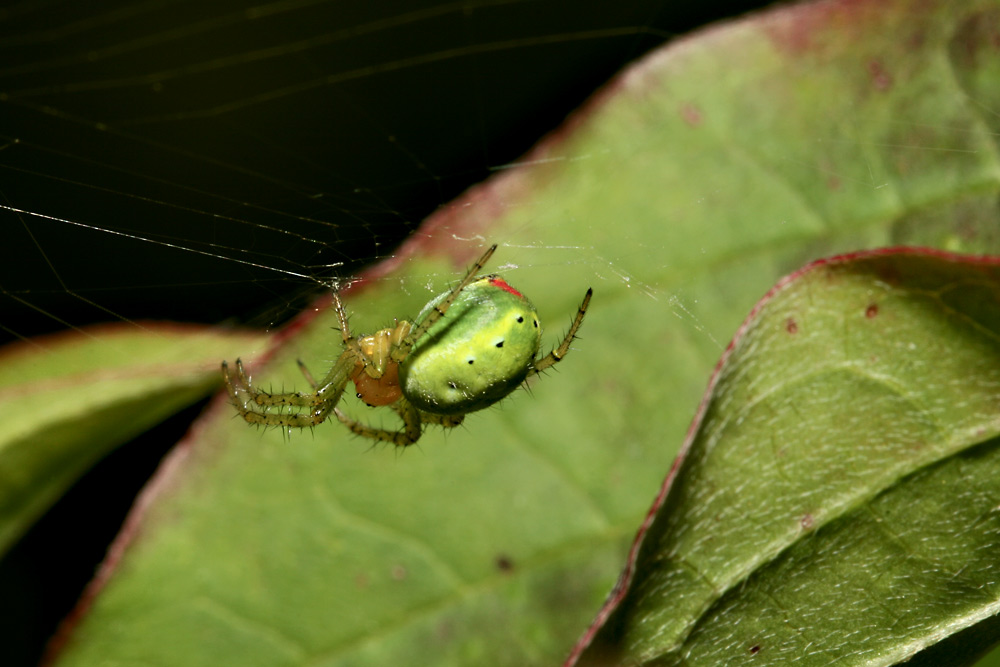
x: 838, y: 502
x: 69, y: 399
x: 682, y: 193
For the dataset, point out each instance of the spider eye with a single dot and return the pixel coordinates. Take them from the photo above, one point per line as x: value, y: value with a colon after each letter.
x: 520, y: 318
x: 500, y: 344
x: 471, y: 361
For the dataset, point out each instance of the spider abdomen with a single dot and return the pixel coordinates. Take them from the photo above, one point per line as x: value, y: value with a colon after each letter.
x: 481, y: 350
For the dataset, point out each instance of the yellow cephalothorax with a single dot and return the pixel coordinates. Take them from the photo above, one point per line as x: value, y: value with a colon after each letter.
x: 376, y: 376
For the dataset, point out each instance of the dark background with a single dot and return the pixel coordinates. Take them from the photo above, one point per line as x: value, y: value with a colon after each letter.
x: 289, y: 138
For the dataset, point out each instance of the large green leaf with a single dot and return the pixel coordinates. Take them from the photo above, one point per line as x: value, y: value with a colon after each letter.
x: 838, y: 501
x: 681, y: 195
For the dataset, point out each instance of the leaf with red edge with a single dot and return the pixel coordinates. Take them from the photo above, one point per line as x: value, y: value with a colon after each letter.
x: 838, y: 499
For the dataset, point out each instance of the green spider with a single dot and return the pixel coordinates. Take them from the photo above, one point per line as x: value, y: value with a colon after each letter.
x: 471, y: 347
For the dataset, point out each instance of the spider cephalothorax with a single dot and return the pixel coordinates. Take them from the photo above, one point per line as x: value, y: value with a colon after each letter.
x: 470, y: 347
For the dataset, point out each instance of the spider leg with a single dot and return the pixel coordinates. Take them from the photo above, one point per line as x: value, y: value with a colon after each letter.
x: 399, y: 353
x: 231, y: 386
x: 411, y: 426
x: 445, y: 421
x: 338, y: 307
x: 556, y: 355
x: 253, y: 403
x: 309, y: 376
x: 345, y: 334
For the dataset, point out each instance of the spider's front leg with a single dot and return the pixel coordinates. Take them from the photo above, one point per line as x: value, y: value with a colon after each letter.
x: 254, y: 404
x: 313, y: 407
x: 262, y: 398
x: 556, y: 355
x: 402, y: 348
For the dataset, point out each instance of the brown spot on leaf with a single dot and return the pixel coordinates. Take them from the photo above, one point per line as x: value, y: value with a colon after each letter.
x: 871, y: 311
x: 880, y: 77
x: 691, y: 114
x: 504, y: 563
x: 791, y: 326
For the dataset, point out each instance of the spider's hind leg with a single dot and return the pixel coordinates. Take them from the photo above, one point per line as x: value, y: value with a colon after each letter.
x: 412, y: 426
x: 444, y: 421
x: 308, y: 375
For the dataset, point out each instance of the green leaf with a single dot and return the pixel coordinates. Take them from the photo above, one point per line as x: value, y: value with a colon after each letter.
x: 839, y: 499
x: 69, y: 399
x: 701, y: 176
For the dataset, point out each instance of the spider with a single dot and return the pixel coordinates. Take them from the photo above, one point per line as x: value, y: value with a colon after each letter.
x: 468, y: 348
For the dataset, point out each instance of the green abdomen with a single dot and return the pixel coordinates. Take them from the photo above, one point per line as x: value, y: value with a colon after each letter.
x: 477, y: 353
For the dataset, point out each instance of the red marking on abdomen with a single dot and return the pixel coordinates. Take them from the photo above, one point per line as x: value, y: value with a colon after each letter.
x: 497, y: 281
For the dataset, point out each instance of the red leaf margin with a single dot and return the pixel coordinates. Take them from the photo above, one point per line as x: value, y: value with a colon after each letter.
x: 621, y: 587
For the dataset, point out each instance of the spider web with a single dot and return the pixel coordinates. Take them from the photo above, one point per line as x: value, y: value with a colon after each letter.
x: 174, y: 161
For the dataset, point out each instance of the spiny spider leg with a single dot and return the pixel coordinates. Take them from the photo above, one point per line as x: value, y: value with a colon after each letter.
x: 413, y: 421
x: 232, y: 387
x: 345, y: 334
x: 409, y: 435
x: 321, y: 402
x: 399, y: 353
x: 338, y: 307
x: 556, y: 355
x: 447, y: 421
x: 263, y: 398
